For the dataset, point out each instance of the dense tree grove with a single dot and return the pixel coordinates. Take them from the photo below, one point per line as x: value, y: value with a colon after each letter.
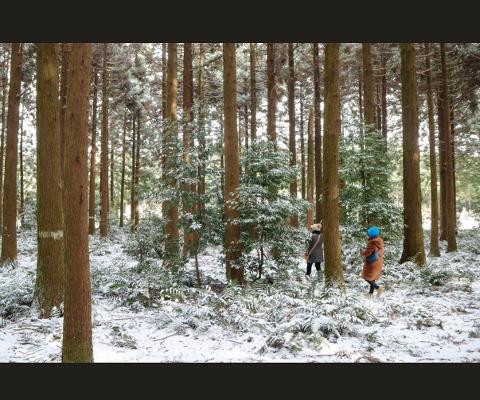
x: 243, y: 146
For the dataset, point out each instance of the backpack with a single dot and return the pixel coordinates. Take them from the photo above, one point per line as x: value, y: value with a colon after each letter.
x: 372, y: 257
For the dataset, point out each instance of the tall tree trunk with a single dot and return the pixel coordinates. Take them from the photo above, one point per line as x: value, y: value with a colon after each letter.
x: 434, y: 244
x: 291, y: 124
x: 360, y: 98
x: 104, y: 206
x: 451, y: 212
x: 66, y: 48
x: 413, y: 232
x: 187, y: 137
x: 170, y: 141
x: 77, y: 321
x: 331, y: 189
x: 133, y: 188
x: 318, y: 135
x: 50, y: 266
x: 383, y: 62
x: 122, y: 182
x: 253, y: 91
x: 164, y: 80
x: 310, y: 168
x: 368, y: 95
x: 302, y: 141
x: 111, y: 204
x: 200, y: 207
x: 9, y: 232
x: 2, y: 141
x: 137, y: 172
x: 442, y: 166
x: 234, y: 271
x: 21, y: 209
x: 272, y: 95
x: 93, y: 157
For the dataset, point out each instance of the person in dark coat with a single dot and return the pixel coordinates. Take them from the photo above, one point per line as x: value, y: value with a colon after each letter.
x: 314, y: 253
x: 373, y: 263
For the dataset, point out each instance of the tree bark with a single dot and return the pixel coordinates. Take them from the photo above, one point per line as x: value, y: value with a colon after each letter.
x: 122, y: 182
x: 77, y: 322
x: 383, y: 61
x: 21, y: 209
x: 66, y: 48
x: 272, y: 95
x: 302, y: 142
x: 368, y: 95
x: 137, y: 172
x: 2, y: 141
x: 187, y: 137
x: 170, y: 141
x: 331, y: 189
x: 442, y: 166
x: 50, y: 266
x: 9, y: 232
x: 310, y: 168
x: 133, y: 188
x: 451, y: 212
x: 291, y: 123
x: 318, y: 135
x: 234, y: 271
x: 413, y: 247
x: 93, y: 157
x: 253, y: 91
x: 434, y: 244
x: 104, y: 200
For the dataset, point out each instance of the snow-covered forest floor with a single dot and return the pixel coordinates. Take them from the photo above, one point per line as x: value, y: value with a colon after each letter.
x: 143, y: 313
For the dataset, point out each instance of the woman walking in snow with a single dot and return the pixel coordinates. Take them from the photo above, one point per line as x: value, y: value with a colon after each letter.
x: 373, y: 263
x: 314, y: 253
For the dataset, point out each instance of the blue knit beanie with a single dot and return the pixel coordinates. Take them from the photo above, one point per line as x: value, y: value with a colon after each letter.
x: 372, y: 232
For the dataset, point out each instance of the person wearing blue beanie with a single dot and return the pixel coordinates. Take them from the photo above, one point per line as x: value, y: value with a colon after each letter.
x: 373, y: 263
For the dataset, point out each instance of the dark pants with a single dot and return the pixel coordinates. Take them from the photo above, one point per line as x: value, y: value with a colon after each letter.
x: 309, y: 267
x: 373, y: 286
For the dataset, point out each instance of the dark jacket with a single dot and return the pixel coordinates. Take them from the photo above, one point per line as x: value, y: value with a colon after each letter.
x: 317, y: 254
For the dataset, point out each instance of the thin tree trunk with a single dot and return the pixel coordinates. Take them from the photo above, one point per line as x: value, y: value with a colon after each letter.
x: 202, y: 148
x: 310, y: 168
x: 77, y: 321
x: 164, y: 108
x: 272, y: 95
x: 170, y: 141
x: 302, y: 141
x: 368, y: 95
x: 9, y: 232
x: 22, y: 192
x: 93, y: 158
x: 2, y: 141
x: 442, y: 166
x: 137, y: 172
x: 234, y: 271
x: 451, y: 212
x: 50, y: 265
x: 253, y: 91
x: 187, y: 137
x: 318, y: 135
x: 104, y: 200
x: 291, y: 123
x: 434, y: 244
x: 111, y: 204
x: 383, y: 62
x: 133, y: 188
x: 122, y: 182
x: 413, y: 247
x: 331, y: 189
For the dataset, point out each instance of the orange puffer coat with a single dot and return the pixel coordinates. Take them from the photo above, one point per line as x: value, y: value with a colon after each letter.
x: 371, y: 271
